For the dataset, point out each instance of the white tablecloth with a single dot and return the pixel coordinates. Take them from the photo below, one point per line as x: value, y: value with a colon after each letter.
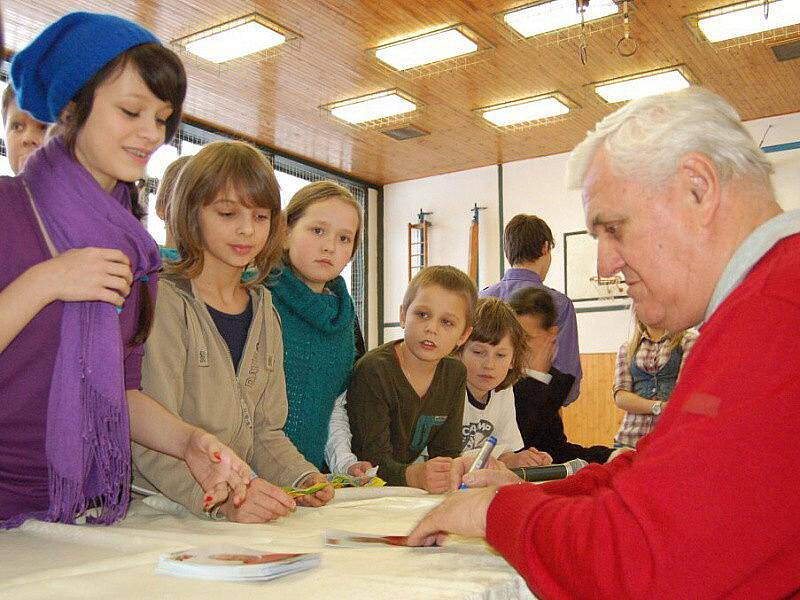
x: 47, y: 560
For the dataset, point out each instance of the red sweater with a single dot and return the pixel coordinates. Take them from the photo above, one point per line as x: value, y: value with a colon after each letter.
x: 708, y: 506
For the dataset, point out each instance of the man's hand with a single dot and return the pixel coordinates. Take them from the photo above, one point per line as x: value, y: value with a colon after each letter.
x: 462, y: 513
x: 491, y: 478
x: 216, y: 468
x: 316, y: 499
x: 433, y: 475
x: 264, y: 503
x: 461, y: 465
x: 359, y: 469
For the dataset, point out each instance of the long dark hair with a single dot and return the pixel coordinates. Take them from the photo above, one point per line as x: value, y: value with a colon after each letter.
x: 163, y: 73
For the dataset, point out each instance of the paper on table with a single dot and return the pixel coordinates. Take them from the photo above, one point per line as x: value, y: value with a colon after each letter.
x: 233, y: 563
x: 351, y: 539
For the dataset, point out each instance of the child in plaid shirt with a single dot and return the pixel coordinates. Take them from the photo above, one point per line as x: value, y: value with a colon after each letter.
x: 643, y: 385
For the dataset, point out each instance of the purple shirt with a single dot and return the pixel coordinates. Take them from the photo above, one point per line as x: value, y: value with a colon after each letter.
x: 26, y: 366
x: 568, y: 358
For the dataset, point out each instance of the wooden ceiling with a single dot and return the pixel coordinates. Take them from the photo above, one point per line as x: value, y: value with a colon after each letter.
x: 275, y: 100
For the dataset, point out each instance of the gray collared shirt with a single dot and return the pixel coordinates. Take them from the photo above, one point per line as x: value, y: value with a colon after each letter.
x: 752, y: 250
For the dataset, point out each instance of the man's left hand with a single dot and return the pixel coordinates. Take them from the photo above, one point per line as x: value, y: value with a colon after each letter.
x: 462, y: 513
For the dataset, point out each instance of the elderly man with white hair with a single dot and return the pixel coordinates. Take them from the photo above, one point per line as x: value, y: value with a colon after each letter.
x: 680, y: 199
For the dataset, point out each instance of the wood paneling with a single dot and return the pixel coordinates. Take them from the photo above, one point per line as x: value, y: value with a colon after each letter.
x: 276, y: 100
x: 594, y: 418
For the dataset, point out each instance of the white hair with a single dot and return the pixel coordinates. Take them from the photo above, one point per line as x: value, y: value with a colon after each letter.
x: 647, y: 137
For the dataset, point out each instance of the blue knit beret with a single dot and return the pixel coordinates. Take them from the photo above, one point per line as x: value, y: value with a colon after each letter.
x: 50, y: 70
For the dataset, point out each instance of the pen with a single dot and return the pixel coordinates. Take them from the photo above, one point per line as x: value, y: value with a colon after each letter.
x: 483, y: 456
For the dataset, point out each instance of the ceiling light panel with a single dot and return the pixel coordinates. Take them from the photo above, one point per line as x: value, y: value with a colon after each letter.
x: 747, y: 18
x: 235, y: 39
x: 526, y: 110
x: 639, y: 86
x: 373, y: 107
x: 543, y: 17
x: 427, y: 48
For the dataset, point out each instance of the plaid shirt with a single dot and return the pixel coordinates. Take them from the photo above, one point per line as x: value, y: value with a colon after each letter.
x: 650, y: 356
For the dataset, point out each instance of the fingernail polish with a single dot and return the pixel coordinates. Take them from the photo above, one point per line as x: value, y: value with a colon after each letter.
x: 209, y: 499
x: 119, y: 309
x: 217, y: 455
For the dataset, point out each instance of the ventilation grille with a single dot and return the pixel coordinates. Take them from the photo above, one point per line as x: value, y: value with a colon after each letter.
x: 405, y: 133
x: 787, y: 51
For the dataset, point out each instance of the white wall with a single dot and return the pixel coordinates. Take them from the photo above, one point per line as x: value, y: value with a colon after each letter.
x: 450, y: 198
x: 372, y: 268
x: 534, y: 186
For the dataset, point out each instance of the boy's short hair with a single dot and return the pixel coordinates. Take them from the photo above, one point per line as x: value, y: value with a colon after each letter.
x: 218, y: 166
x: 167, y: 184
x: 493, y: 320
x: 534, y: 301
x: 448, y: 278
x: 312, y: 193
x: 524, y: 237
x: 8, y: 97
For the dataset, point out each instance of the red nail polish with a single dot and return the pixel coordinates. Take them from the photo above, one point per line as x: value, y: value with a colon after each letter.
x: 209, y: 499
x: 217, y: 455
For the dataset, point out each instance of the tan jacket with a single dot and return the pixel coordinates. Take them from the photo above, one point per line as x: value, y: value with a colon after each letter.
x: 188, y: 368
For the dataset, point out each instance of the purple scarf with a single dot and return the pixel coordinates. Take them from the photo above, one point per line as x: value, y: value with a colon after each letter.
x: 87, y: 439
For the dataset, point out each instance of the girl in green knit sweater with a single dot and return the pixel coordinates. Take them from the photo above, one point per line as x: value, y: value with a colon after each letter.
x: 317, y: 314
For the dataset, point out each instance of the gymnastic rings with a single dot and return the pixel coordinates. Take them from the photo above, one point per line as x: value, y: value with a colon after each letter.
x: 627, y: 46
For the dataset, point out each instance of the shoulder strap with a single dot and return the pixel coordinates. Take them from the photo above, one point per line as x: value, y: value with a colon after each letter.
x: 50, y: 246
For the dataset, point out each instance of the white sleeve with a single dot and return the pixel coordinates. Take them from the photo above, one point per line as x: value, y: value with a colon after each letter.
x: 545, y: 378
x: 509, y: 439
x: 338, y: 452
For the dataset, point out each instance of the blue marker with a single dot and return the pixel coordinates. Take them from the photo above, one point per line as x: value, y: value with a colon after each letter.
x: 483, y: 456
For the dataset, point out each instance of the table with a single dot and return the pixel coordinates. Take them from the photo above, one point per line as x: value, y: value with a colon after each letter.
x: 49, y: 560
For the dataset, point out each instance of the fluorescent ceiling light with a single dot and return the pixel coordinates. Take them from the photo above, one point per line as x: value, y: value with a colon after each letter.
x: 747, y: 18
x: 372, y: 107
x: 235, y: 39
x: 425, y: 49
x: 639, y: 86
x: 521, y: 111
x: 542, y: 17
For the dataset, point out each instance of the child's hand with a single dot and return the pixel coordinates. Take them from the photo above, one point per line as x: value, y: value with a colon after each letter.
x: 217, y: 468
x: 359, y: 469
x: 433, y: 475
x: 85, y: 274
x: 542, y: 350
x: 316, y: 499
x: 526, y: 458
x: 264, y: 503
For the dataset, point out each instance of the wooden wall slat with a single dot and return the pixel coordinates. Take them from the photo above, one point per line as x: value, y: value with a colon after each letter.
x: 594, y: 418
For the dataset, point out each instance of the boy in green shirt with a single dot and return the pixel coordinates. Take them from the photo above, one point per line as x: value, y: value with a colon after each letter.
x: 407, y: 395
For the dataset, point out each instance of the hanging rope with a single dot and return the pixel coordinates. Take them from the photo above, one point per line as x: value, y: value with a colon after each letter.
x: 627, y: 44
x: 766, y: 9
x: 580, y: 7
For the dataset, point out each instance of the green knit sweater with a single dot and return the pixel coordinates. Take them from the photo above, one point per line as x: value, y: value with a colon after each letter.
x: 319, y: 347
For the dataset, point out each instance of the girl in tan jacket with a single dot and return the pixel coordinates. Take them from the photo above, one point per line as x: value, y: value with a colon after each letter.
x: 215, y: 354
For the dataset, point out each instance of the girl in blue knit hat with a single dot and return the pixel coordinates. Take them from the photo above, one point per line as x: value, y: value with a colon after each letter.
x: 73, y: 252
x: 317, y: 314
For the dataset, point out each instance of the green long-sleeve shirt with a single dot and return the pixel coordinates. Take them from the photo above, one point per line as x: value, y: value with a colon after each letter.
x: 391, y: 424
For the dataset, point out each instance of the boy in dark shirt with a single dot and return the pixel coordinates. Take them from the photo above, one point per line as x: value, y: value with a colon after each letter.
x: 407, y: 395
x: 539, y: 396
